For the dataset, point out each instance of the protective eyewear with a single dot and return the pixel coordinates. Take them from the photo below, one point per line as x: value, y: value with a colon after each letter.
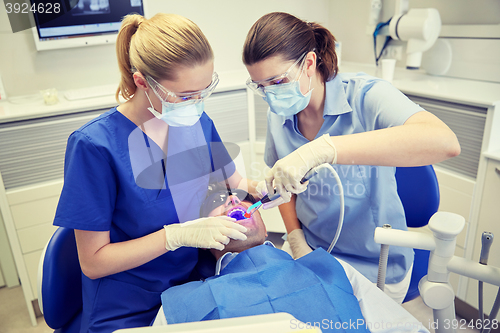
x: 219, y: 198
x: 260, y: 86
x: 194, y: 97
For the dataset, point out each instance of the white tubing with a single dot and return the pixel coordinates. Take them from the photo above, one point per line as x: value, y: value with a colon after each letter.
x: 342, y: 207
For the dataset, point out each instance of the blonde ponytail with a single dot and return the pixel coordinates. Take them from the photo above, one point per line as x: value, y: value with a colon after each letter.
x: 157, y: 47
x: 130, y: 24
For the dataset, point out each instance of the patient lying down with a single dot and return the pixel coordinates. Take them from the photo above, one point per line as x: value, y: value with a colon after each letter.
x: 253, y: 277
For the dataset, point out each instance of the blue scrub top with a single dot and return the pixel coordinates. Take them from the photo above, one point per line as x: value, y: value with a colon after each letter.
x: 354, y: 103
x: 117, y: 179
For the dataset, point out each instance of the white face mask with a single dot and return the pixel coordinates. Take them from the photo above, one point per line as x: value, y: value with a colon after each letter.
x: 178, y: 114
x: 287, y: 99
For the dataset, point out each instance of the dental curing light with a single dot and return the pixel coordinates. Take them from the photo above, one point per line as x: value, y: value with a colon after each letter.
x: 275, y: 196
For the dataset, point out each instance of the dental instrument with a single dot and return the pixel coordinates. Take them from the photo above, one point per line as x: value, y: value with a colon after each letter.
x: 275, y: 196
x: 486, y: 241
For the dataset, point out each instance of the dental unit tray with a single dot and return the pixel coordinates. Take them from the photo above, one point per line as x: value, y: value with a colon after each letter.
x: 435, y: 288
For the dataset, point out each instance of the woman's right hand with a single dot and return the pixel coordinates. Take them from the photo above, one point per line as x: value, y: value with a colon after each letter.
x: 206, y: 233
x: 262, y: 190
x: 287, y: 173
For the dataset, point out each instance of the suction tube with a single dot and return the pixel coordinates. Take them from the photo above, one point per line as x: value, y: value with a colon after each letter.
x: 308, y: 176
x: 342, y: 208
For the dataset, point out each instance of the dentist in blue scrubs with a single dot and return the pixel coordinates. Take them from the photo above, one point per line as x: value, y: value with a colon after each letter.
x: 135, y: 175
x: 361, y: 124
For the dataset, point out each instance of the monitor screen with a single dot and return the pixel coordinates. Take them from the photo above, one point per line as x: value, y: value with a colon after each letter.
x: 85, y: 22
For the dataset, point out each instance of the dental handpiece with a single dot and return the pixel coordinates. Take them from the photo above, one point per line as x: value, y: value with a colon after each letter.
x: 267, y: 198
x: 486, y: 241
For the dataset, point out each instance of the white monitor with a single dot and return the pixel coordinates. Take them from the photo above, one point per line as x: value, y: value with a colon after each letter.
x: 85, y: 23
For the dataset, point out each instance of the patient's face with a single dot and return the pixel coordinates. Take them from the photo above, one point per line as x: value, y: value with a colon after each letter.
x: 256, y: 230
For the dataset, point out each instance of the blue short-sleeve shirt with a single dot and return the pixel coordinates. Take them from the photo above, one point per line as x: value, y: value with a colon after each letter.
x: 354, y: 103
x: 117, y: 179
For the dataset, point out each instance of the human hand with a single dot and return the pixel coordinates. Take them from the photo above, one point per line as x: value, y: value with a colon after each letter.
x: 262, y: 190
x: 298, y: 243
x: 206, y: 233
x: 289, y: 171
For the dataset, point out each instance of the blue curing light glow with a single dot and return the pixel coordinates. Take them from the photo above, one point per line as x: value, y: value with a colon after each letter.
x: 237, y: 214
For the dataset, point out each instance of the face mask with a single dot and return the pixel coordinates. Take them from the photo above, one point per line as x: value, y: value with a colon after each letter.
x: 177, y: 114
x: 287, y: 99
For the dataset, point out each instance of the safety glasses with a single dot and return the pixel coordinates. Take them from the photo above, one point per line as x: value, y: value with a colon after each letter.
x: 290, y: 75
x: 194, y: 97
x: 219, y: 198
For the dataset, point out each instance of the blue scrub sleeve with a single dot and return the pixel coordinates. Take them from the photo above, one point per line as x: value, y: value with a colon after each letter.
x: 88, y: 197
x: 385, y: 106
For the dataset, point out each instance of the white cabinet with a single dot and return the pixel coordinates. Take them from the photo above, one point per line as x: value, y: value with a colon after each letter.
x: 489, y: 220
x: 31, y: 171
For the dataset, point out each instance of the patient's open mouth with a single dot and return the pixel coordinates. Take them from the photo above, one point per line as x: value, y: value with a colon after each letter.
x: 237, y: 213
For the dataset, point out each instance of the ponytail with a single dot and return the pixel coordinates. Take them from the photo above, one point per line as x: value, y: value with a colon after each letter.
x: 327, y: 62
x: 282, y: 34
x: 157, y: 47
x: 130, y: 24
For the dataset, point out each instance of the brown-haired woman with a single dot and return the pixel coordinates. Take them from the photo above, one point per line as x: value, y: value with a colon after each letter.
x: 135, y: 172
x: 361, y: 123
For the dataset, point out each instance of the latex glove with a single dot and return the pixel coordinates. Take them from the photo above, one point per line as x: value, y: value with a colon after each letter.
x: 206, y: 233
x: 262, y: 190
x: 298, y: 243
x: 289, y: 171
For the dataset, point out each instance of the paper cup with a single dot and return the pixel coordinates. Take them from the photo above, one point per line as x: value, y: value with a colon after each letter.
x: 388, y: 66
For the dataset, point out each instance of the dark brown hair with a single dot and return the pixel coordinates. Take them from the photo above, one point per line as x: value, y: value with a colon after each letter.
x: 290, y: 37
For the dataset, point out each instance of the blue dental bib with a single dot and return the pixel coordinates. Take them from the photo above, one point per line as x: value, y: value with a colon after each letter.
x: 314, y: 289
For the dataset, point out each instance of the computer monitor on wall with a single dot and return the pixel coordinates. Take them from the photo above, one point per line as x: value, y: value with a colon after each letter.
x: 85, y: 23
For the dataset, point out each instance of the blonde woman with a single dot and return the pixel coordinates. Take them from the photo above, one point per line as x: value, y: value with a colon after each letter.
x: 133, y: 174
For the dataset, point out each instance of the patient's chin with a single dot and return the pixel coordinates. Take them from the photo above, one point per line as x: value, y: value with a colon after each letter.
x: 242, y: 245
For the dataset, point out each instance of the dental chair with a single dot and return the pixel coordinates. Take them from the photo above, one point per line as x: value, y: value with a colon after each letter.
x: 60, y: 283
x: 418, y: 190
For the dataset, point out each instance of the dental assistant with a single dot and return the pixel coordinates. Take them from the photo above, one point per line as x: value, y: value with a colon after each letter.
x: 360, y: 123
x: 122, y: 192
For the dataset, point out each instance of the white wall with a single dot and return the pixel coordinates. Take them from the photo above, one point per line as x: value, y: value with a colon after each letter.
x: 348, y: 21
x: 224, y: 22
